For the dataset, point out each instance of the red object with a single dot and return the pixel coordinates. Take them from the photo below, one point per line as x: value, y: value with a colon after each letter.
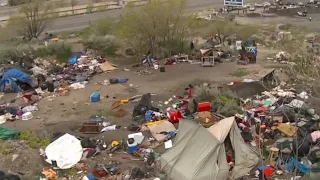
x: 261, y: 109
x: 229, y: 158
x: 268, y: 171
x: 174, y: 116
x: 190, y: 92
x: 204, y: 106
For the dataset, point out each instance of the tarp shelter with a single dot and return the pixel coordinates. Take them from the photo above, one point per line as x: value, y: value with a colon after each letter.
x: 9, y: 80
x: 199, y: 153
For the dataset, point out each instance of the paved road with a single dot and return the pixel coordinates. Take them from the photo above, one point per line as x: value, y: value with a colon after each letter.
x: 8, y: 10
x: 81, y: 21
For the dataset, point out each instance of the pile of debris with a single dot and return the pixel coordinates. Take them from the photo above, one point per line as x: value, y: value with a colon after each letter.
x: 47, y: 79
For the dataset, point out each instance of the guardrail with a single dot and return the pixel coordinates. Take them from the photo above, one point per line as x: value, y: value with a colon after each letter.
x: 89, y: 8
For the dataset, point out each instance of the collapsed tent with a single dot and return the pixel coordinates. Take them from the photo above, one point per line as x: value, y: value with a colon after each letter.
x: 199, y: 153
x: 9, y: 80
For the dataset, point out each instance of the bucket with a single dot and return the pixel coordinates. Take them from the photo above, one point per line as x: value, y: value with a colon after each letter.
x: 156, y: 66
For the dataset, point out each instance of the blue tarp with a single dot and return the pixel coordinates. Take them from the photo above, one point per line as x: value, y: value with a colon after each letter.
x: 73, y: 60
x: 9, y: 78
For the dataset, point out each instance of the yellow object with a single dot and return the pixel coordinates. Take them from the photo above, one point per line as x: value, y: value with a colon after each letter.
x: 119, y: 103
x: 114, y: 143
x: 154, y: 123
x: 54, y: 39
x: 124, y: 101
x: 166, y: 103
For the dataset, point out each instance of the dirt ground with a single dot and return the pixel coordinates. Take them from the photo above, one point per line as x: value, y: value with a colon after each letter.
x: 67, y: 113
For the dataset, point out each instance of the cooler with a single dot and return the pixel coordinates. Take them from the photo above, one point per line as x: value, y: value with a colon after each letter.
x: 95, y: 97
x: 132, y: 147
x: 204, y: 106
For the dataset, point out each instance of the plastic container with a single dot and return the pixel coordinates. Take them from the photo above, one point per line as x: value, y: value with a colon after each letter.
x: 204, y: 106
x: 95, y: 97
x: 132, y: 147
x: 174, y: 116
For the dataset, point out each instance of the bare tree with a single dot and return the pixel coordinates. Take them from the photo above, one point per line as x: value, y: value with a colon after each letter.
x: 157, y: 27
x: 73, y: 3
x: 34, y: 18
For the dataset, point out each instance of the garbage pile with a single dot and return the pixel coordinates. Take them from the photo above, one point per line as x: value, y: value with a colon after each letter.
x: 281, y: 123
x: 47, y: 79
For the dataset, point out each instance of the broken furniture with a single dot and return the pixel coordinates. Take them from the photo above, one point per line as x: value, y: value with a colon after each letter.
x: 90, y: 128
x: 273, y: 154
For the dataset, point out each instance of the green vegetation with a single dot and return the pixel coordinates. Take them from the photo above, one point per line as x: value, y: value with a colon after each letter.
x: 60, y: 49
x: 32, y: 140
x: 240, y: 73
x: 159, y: 27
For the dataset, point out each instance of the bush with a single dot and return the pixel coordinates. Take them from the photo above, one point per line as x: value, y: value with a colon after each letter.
x: 103, y: 45
x: 62, y: 50
x: 16, y: 54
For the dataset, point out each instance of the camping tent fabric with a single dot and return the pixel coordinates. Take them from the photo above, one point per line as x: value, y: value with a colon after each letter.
x: 10, y: 76
x: 198, y: 154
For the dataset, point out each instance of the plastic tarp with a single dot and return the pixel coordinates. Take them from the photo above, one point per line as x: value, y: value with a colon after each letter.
x: 199, y: 154
x: 6, y: 133
x: 66, y: 151
x: 73, y: 60
x: 9, y: 78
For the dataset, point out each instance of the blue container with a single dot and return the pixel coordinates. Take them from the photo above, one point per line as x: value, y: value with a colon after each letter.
x: 90, y: 177
x: 95, y: 97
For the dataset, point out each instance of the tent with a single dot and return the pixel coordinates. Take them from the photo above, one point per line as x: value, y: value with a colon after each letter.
x: 199, y: 153
x: 10, y: 77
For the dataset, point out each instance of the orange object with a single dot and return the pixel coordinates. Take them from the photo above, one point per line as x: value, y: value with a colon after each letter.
x: 119, y: 103
x: 49, y: 173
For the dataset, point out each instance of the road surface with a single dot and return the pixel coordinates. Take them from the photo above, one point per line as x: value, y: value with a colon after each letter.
x: 9, y: 10
x: 72, y: 23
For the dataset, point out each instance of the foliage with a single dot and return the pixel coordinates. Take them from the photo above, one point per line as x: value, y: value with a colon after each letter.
x: 34, y: 19
x: 32, y: 140
x: 103, y: 27
x: 20, y: 53
x: 240, y: 73
x: 224, y: 102
x: 159, y: 27
x: 61, y: 49
x: 103, y: 45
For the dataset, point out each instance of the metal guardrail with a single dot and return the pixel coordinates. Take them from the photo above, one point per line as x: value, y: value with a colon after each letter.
x: 96, y: 7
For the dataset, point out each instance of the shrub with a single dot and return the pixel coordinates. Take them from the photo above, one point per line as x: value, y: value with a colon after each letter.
x: 103, y: 45
x: 16, y: 54
x: 62, y: 50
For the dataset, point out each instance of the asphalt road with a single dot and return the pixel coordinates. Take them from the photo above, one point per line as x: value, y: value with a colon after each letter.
x: 81, y: 21
x: 9, y: 10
